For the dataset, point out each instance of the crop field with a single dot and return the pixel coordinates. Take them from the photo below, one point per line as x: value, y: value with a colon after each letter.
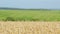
x: 29, y: 15
x: 10, y: 27
x: 29, y: 21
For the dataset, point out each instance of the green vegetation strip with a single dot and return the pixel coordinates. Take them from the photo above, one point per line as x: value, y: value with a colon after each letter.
x: 29, y: 15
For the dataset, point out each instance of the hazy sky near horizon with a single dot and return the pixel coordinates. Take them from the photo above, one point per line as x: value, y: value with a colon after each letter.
x: 47, y: 4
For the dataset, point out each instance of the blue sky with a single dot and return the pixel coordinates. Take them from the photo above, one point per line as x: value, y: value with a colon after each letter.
x: 46, y: 4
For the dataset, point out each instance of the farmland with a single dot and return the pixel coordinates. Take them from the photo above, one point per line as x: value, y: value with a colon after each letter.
x: 29, y: 21
x: 29, y: 15
x: 27, y: 27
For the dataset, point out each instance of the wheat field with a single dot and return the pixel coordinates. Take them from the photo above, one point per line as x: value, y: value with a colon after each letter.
x: 29, y: 27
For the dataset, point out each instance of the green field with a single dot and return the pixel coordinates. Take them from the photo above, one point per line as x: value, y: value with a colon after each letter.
x: 29, y: 15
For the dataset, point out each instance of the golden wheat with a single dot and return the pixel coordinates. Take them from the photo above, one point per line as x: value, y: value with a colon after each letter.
x: 29, y: 27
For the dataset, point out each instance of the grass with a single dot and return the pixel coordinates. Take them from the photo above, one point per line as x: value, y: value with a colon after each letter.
x: 29, y: 15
